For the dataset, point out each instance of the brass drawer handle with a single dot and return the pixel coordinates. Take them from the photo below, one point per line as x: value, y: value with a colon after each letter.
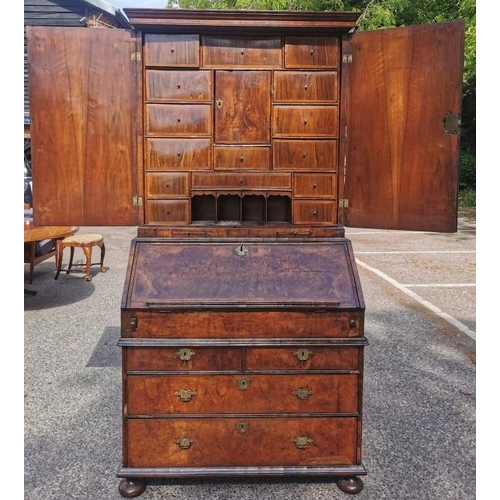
x: 242, y: 427
x: 243, y: 383
x: 185, y: 354
x: 185, y: 395
x: 303, y: 354
x: 302, y: 442
x: 302, y: 393
x: 184, y: 443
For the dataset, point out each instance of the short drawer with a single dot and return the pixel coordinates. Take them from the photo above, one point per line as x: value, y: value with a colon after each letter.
x: 302, y: 357
x: 241, y: 158
x: 240, y: 52
x: 192, y: 86
x: 305, y: 86
x: 311, y: 52
x: 249, y: 393
x: 172, y: 50
x: 305, y: 154
x: 315, y: 185
x: 167, y: 211
x: 241, y: 180
x: 314, y: 212
x: 305, y: 121
x: 167, y: 184
x: 178, y: 154
x: 217, y: 442
x: 248, y: 324
x: 179, y: 119
x: 182, y: 359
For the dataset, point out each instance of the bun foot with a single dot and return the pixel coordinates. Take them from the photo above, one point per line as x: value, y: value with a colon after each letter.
x: 130, y: 488
x: 350, y: 485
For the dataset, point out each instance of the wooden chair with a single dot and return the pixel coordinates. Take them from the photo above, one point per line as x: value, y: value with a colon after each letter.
x: 38, y: 251
x: 86, y: 242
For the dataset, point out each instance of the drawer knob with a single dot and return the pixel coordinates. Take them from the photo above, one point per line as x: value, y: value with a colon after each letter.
x: 303, y: 354
x: 303, y: 393
x: 302, y: 442
x: 185, y: 354
x: 242, y: 427
x: 185, y: 395
x: 243, y: 383
x: 184, y: 443
x: 352, y: 323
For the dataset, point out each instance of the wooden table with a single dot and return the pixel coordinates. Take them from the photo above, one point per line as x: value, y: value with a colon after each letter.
x: 34, y: 234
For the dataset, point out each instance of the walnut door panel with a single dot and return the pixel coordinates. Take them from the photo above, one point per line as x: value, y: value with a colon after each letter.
x: 248, y: 393
x: 242, y: 107
x: 305, y: 154
x: 305, y: 357
x: 182, y: 359
x: 305, y: 121
x: 172, y: 50
x: 315, y: 185
x: 202, y: 442
x: 239, y: 52
x: 178, y: 154
x: 248, y: 324
x: 302, y: 86
x: 167, y: 184
x: 242, y: 158
x: 311, y: 52
x: 192, y: 86
x: 168, y: 211
x: 179, y: 119
x: 314, y: 212
x: 241, y: 180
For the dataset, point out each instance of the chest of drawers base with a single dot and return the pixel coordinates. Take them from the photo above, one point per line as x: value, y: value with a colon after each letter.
x: 262, y: 352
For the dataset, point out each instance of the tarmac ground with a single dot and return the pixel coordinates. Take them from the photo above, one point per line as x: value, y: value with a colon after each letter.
x: 419, y: 413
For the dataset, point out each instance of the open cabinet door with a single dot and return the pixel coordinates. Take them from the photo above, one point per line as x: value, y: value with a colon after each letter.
x: 83, y: 104
x: 403, y: 117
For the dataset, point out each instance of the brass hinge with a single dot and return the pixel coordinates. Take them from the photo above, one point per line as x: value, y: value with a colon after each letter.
x: 344, y: 203
x: 347, y: 58
x: 137, y: 201
x: 135, y: 56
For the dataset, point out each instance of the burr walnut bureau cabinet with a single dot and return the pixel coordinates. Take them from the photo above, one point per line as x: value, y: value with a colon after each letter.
x: 241, y: 144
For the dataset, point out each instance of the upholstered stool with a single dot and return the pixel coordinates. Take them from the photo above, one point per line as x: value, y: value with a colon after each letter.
x: 86, y: 242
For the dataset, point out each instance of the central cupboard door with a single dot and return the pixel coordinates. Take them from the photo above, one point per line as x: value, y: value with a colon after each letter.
x: 242, y: 107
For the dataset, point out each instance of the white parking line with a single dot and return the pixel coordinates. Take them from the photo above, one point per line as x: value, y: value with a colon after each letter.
x: 450, y: 319
x: 439, y: 285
